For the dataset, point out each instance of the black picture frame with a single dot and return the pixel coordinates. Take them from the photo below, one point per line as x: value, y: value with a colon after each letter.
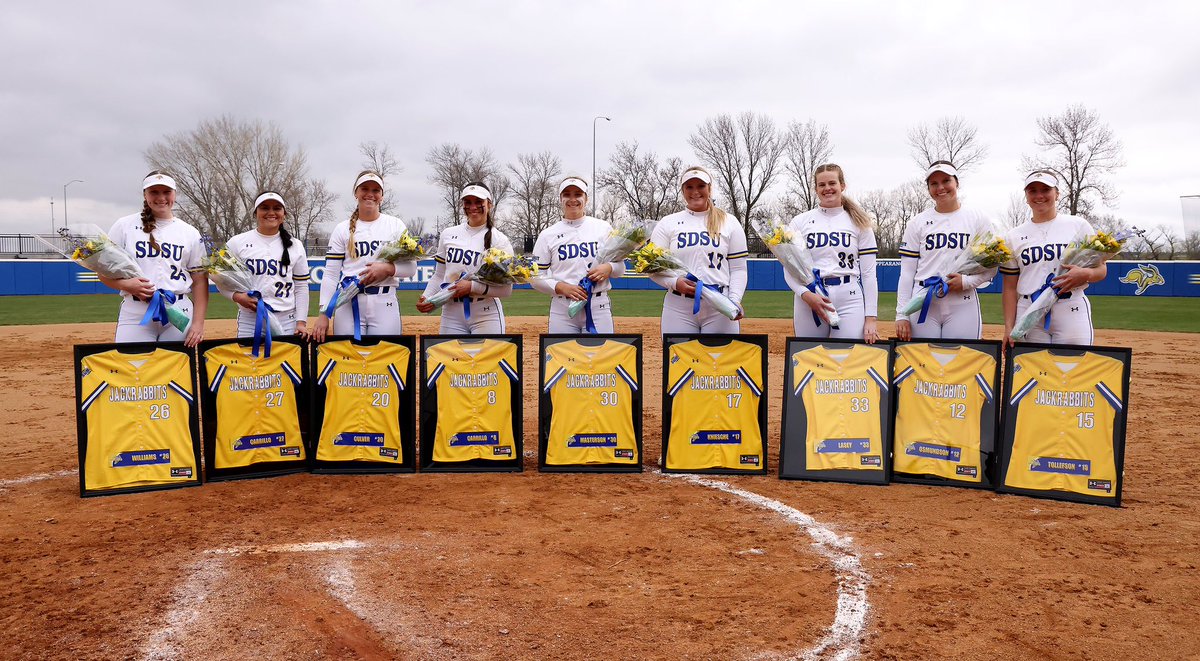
x: 989, y: 423
x: 793, y: 432
x: 715, y: 339
x: 429, y: 413
x: 405, y: 408
x: 208, y: 409
x: 1009, y: 422
x: 546, y: 405
x: 82, y: 351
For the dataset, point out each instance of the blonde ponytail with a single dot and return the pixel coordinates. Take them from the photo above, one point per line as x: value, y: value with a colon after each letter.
x: 715, y: 222
x: 351, y: 252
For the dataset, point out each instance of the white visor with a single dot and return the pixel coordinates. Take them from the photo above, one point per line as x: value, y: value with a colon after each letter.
x: 1043, y: 177
x: 475, y: 191
x: 269, y: 196
x: 573, y: 181
x: 941, y: 167
x: 158, y: 180
x: 370, y: 176
x: 695, y: 174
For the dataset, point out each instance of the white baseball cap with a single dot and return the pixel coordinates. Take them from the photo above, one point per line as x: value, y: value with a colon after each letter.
x: 268, y: 196
x: 695, y: 173
x: 475, y: 191
x: 1042, y: 177
x: 941, y: 167
x: 368, y: 176
x: 573, y: 181
x: 158, y: 179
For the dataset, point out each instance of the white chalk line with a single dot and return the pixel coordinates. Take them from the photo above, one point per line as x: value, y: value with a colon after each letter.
x: 850, y: 618
x: 28, y: 479
x: 301, y: 547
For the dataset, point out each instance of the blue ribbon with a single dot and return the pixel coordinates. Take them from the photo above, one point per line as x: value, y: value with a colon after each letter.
x: 818, y: 282
x: 346, y: 283
x: 262, y: 325
x: 465, y: 300
x: 1049, y: 284
x: 935, y: 286
x: 700, y: 285
x: 157, y: 310
x: 589, y: 324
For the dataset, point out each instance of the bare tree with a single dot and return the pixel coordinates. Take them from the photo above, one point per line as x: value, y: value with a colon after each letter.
x: 807, y: 145
x: 612, y: 209
x: 224, y: 163
x: 948, y: 139
x: 1190, y: 246
x: 534, y: 189
x: 744, y: 151
x: 1080, y: 150
x: 1159, y: 243
x: 1016, y: 213
x: 379, y: 157
x: 889, y: 224
x: 645, y: 188
x: 455, y: 167
x: 1108, y: 223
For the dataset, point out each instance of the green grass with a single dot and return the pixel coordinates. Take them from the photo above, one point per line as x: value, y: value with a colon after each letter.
x: 1118, y: 312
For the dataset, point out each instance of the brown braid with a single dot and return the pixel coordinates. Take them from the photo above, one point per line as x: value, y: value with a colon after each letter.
x: 148, y: 223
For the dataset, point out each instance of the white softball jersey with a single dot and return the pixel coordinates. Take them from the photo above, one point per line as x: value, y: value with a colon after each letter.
x: 839, y: 248
x: 1038, y: 249
x: 284, y: 288
x: 566, y: 250
x: 716, y: 260
x: 170, y: 265
x: 460, y: 253
x: 933, y: 241
x: 368, y: 235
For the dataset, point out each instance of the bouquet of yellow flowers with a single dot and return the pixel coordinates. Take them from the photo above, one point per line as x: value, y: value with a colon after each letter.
x: 229, y: 273
x: 625, y: 237
x: 653, y: 259
x: 499, y: 268
x: 796, y: 260
x: 986, y: 251
x: 1088, y: 252
x: 405, y: 248
x: 89, y: 247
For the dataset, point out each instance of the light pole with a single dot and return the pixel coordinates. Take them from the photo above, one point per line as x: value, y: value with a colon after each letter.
x: 594, y: 187
x: 73, y: 181
x: 52, y: 215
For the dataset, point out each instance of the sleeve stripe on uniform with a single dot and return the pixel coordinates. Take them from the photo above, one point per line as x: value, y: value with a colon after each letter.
x: 1004, y: 270
x: 437, y: 371
x: 738, y: 255
x: 196, y: 269
x: 909, y: 253
x: 628, y: 378
x: 1023, y: 391
x: 291, y: 372
x: 216, y: 383
x: 803, y: 382
x: 396, y: 375
x: 508, y: 369
x: 325, y: 372
x: 984, y: 386
x: 868, y: 251
x: 300, y: 278
x: 182, y: 393
x: 908, y: 371
x: 1110, y: 396
x: 92, y: 397
x: 439, y: 259
x: 554, y: 379
x: 749, y: 382
x: 679, y: 384
x: 883, y: 384
x: 335, y: 255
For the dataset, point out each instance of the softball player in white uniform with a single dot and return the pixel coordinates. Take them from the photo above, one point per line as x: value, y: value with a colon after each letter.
x: 565, y: 254
x: 839, y: 236
x: 712, y: 245
x: 933, y: 240
x: 280, y: 266
x: 352, y: 247
x: 1037, y: 247
x: 169, y: 252
x: 476, y: 308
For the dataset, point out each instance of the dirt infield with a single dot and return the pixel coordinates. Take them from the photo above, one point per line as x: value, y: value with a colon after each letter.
x: 449, y: 566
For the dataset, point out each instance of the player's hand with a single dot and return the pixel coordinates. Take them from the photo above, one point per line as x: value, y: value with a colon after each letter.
x: 903, y: 329
x: 376, y: 272
x: 423, y: 306
x: 685, y: 286
x: 573, y: 292
x: 741, y: 313
x: 141, y: 288
x: 819, y: 304
x: 1008, y: 334
x: 320, y: 328
x: 870, y: 331
x: 195, y: 333
x: 245, y: 300
x: 599, y: 272
x: 1074, y: 278
x: 462, y: 288
x: 955, y: 281
x: 302, y: 330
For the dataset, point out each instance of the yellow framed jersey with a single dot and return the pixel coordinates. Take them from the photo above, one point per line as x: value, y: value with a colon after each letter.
x: 714, y: 411
x: 837, y: 411
x: 945, y: 411
x: 252, y: 412
x: 367, y: 405
x: 471, y: 389
x: 590, y: 399
x: 1065, y: 422
x: 136, y: 417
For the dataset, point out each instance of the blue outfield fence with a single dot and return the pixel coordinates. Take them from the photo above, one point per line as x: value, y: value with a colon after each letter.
x: 32, y: 277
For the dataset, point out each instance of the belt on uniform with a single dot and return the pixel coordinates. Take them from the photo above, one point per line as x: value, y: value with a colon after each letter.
x: 178, y: 297
x: 470, y: 298
x: 720, y: 288
x: 836, y: 280
x: 376, y: 290
x: 595, y: 294
x: 1062, y: 297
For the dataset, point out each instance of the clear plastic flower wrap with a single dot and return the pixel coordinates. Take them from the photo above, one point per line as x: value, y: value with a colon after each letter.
x: 626, y: 237
x: 231, y: 274
x: 796, y: 260
x: 89, y: 247
x: 498, y: 269
x: 986, y: 251
x: 1087, y: 252
x: 405, y: 248
x: 652, y: 259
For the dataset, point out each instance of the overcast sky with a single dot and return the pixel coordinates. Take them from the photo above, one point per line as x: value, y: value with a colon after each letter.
x: 87, y: 86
